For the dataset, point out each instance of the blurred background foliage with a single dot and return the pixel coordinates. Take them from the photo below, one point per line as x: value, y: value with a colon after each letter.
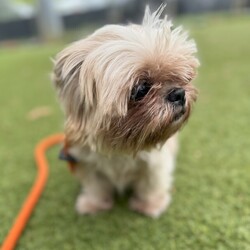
x: 47, y: 19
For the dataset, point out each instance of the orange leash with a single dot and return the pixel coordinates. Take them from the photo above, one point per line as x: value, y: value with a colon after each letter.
x: 35, y: 192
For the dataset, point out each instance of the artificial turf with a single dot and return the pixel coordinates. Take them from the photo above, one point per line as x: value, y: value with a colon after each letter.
x: 211, y: 197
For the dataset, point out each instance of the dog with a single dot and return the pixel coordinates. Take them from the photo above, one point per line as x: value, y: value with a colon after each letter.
x: 126, y: 91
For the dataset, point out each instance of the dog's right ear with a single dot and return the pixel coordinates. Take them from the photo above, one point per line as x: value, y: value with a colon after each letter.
x: 65, y: 75
x: 74, y: 79
x: 67, y: 79
x: 68, y: 69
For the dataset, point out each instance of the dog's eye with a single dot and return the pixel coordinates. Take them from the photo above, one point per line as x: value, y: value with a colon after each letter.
x: 140, y: 91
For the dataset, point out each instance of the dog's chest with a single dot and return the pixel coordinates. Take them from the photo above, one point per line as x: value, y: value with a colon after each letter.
x: 121, y: 170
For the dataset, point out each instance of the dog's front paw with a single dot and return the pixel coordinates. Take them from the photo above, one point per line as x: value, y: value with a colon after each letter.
x: 86, y: 204
x: 153, y: 207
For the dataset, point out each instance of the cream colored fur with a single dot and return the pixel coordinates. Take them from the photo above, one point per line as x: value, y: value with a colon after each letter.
x: 121, y: 143
x: 149, y: 174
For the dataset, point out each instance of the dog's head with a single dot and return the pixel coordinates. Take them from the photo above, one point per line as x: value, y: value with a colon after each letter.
x: 127, y: 88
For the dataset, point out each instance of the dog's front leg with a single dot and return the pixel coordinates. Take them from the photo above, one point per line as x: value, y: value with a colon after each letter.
x: 152, y: 189
x: 96, y: 194
x: 151, y: 195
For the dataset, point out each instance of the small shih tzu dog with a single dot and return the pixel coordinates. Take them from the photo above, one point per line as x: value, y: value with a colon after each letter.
x: 126, y: 91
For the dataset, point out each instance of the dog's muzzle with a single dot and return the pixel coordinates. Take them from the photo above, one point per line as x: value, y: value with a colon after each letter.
x: 176, y: 97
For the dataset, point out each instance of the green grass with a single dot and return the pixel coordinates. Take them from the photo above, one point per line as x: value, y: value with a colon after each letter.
x: 211, y: 201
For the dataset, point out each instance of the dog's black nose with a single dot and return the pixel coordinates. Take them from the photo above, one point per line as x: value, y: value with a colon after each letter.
x: 176, y: 96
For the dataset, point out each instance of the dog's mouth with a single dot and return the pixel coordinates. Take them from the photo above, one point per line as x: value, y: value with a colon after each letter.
x: 178, y: 115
